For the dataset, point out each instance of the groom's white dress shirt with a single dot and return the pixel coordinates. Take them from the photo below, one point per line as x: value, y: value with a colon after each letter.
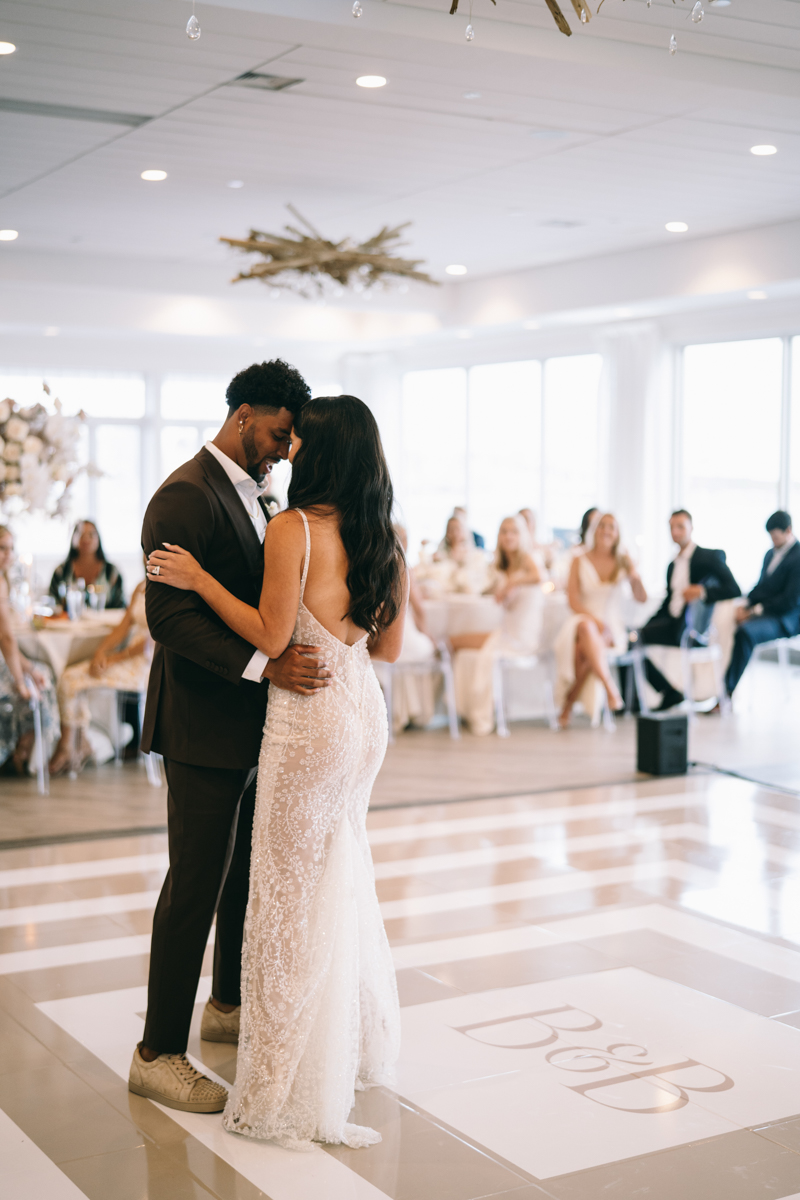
x: 680, y: 579
x: 248, y: 492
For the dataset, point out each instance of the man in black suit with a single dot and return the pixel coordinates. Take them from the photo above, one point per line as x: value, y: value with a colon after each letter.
x: 206, y: 704
x: 694, y: 574
x: 773, y: 607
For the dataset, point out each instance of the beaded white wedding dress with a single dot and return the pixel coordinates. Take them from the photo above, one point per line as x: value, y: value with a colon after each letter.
x: 320, y: 1016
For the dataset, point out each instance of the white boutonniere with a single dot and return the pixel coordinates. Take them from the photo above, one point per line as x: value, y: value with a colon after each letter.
x: 273, y: 508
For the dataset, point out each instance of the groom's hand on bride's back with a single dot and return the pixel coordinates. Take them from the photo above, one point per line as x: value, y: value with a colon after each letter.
x: 299, y: 669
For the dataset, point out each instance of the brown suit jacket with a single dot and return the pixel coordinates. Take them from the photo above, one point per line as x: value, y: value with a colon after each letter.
x: 199, y: 709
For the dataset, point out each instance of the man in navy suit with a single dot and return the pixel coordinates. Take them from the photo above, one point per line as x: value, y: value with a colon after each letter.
x: 773, y: 607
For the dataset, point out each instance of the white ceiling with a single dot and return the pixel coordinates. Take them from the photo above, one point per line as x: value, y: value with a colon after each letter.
x: 644, y: 138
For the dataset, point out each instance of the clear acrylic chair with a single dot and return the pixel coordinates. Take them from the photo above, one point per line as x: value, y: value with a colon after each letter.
x: 442, y: 665
x: 152, y: 761
x: 522, y: 662
x: 40, y: 757
x: 698, y: 647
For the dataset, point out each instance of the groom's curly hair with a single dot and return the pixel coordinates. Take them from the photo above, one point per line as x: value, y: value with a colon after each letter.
x: 272, y: 385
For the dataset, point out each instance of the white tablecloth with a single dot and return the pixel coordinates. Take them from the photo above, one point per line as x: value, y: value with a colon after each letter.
x: 450, y: 615
x: 62, y: 643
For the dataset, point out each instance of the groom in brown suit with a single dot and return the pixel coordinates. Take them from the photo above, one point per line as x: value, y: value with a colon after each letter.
x: 206, y: 703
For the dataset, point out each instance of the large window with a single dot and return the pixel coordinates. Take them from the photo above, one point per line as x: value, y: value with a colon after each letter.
x: 496, y: 438
x: 505, y: 443
x: 434, y: 449
x: 732, y: 407
x: 571, y: 439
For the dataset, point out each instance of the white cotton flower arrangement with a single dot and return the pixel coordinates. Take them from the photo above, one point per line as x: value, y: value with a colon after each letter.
x: 38, y: 457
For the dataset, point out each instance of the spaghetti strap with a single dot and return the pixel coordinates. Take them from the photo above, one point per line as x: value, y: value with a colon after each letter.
x: 308, y: 553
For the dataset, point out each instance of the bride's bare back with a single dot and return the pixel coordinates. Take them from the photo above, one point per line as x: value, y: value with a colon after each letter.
x: 327, y: 596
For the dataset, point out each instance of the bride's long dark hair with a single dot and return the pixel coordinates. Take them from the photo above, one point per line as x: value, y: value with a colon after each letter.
x: 341, y: 465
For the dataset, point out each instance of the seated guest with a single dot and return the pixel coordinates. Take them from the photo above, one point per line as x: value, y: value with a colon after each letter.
x: 87, y: 561
x: 694, y: 574
x: 16, y: 715
x: 513, y: 584
x: 594, y: 590
x: 460, y: 511
x: 123, y: 667
x: 413, y: 696
x: 465, y: 562
x: 773, y: 607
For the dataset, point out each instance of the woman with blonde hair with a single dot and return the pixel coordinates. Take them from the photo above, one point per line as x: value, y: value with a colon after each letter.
x: 514, y: 585
x: 594, y: 591
x: 16, y: 715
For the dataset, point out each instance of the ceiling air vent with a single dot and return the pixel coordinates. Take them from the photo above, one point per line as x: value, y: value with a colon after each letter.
x: 265, y: 83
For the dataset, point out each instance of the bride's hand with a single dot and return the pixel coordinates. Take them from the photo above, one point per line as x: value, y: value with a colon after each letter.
x: 176, y: 567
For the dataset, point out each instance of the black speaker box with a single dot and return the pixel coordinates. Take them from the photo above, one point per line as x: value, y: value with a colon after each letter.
x: 662, y: 743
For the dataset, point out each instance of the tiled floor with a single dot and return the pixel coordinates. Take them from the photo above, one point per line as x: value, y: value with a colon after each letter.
x: 600, y: 990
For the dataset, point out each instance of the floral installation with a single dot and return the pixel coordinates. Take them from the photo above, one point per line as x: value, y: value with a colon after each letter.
x: 38, y: 457
x: 308, y: 263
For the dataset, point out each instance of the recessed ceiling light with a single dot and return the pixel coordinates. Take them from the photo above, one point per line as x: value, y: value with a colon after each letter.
x: 464, y: 333
x: 456, y: 269
x: 52, y: 331
x: 756, y: 295
x: 676, y: 227
x: 472, y: 95
x: 8, y: 235
x: 720, y: 3
x: 763, y: 151
x: 235, y: 183
x: 531, y: 325
x: 7, y: 47
x: 371, y: 81
x: 154, y: 176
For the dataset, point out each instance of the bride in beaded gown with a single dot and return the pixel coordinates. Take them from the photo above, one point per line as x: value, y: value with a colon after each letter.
x: 320, y: 1015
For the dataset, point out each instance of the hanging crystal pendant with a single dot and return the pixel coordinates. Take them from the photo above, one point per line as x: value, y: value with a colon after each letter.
x: 193, y: 30
x: 584, y: 17
x: 698, y: 13
x: 673, y: 45
x: 470, y: 33
x: 649, y: 3
x: 357, y: 10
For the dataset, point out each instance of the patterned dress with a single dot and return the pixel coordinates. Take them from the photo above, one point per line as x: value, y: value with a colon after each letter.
x: 320, y: 1016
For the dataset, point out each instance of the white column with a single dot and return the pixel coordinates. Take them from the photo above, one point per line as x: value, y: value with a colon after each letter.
x: 638, y: 420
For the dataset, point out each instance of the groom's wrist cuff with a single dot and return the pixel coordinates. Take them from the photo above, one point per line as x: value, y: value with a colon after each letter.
x: 255, y: 668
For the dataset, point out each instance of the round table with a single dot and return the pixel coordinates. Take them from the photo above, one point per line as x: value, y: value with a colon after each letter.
x: 62, y: 643
x: 450, y: 615
x: 447, y: 616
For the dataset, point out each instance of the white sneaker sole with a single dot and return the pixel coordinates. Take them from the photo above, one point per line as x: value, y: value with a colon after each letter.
x: 196, y: 1106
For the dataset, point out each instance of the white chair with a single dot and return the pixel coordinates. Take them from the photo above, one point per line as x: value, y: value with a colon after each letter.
x: 40, y: 757
x: 387, y: 672
x: 783, y: 648
x: 521, y: 662
x: 152, y: 761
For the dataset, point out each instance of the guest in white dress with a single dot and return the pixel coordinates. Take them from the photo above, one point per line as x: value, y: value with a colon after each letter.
x: 413, y: 696
x: 515, y: 586
x: 594, y: 590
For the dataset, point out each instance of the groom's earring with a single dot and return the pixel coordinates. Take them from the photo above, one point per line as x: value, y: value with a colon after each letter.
x: 241, y: 426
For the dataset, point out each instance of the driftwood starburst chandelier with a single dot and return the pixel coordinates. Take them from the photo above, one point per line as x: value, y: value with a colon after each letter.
x: 583, y: 13
x: 311, y: 265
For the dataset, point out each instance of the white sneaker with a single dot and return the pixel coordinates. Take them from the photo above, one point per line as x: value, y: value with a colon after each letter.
x: 218, y: 1026
x: 171, y: 1080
